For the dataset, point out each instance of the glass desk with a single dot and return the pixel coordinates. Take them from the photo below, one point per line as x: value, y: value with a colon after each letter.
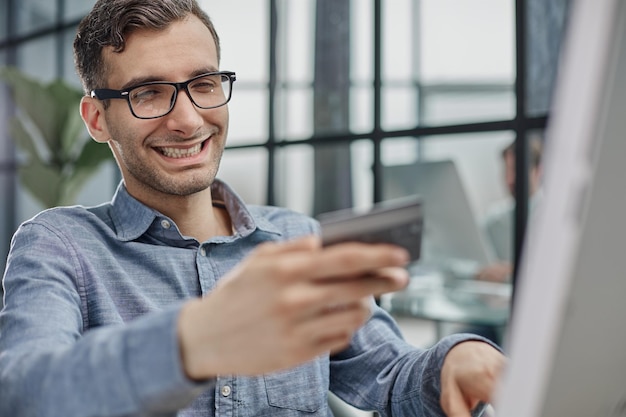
x: 442, y: 300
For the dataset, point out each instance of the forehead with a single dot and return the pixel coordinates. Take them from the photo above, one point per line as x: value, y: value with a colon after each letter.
x: 176, y: 53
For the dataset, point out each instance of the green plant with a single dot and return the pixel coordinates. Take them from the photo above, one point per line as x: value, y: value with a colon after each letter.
x: 48, y: 128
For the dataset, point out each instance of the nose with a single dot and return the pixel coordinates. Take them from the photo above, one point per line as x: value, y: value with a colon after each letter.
x: 185, y: 117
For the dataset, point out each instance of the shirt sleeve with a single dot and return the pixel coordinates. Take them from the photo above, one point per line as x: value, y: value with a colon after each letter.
x: 49, y: 366
x: 380, y: 371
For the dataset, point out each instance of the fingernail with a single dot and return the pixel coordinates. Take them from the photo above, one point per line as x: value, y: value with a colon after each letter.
x: 402, y: 256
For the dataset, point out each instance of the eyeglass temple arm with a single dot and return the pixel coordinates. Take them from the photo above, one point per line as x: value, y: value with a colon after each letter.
x: 106, y: 94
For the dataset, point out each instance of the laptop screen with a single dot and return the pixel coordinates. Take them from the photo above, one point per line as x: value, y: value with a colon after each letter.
x: 451, y: 232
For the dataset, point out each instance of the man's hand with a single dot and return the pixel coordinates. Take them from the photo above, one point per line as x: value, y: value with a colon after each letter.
x: 469, y: 375
x: 285, y: 304
x: 497, y: 272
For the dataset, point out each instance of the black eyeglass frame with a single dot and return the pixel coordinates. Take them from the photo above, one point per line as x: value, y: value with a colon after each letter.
x: 107, y: 93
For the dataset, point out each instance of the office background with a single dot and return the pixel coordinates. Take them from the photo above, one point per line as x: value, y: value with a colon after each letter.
x: 330, y: 92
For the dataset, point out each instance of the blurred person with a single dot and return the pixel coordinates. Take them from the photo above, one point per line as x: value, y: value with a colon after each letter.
x: 499, y: 221
x: 499, y: 227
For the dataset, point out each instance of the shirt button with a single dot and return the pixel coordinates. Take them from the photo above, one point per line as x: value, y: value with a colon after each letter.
x: 225, y: 391
x: 165, y: 224
x: 203, y: 251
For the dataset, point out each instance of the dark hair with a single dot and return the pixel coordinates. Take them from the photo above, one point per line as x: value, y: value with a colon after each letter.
x: 111, y: 21
x: 535, y: 142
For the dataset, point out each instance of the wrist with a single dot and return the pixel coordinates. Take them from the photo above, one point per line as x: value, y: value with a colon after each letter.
x: 195, y: 360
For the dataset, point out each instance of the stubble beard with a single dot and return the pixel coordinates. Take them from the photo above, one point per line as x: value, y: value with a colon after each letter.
x: 181, y: 184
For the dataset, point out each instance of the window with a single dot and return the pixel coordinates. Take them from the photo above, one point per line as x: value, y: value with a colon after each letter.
x: 403, y: 80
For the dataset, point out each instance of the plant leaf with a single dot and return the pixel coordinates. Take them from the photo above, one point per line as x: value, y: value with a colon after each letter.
x: 53, y: 110
x: 93, y: 154
x: 71, y: 130
x: 74, y: 136
x: 42, y: 182
x: 46, y: 105
x: 23, y: 139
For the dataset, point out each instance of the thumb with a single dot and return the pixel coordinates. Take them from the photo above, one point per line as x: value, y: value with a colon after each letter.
x: 453, y: 402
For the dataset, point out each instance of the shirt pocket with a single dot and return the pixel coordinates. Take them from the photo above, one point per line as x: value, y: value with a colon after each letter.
x: 304, y: 388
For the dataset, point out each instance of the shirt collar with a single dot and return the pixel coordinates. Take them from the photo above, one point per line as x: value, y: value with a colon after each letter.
x: 133, y: 218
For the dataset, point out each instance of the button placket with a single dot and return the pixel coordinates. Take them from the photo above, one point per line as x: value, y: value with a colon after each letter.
x: 225, y: 397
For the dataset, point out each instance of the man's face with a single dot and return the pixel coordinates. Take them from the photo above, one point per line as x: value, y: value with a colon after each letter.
x: 177, y: 154
x: 534, y: 175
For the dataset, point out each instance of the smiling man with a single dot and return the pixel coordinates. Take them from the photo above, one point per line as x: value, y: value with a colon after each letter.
x: 177, y: 298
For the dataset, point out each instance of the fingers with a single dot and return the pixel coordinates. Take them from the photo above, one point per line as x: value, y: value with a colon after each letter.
x: 314, y: 277
x: 454, y: 404
x: 499, y: 272
x: 304, y: 260
x: 374, y: 283
x: 341, y: 260
x: 468, y: 376
x: 353, y: 259
x: 307, y: 299
x: 333, y: 328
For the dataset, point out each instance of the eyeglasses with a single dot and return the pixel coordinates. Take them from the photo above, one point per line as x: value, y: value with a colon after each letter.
x: 156, y: 99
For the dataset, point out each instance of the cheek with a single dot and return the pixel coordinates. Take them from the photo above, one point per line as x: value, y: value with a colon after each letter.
x: 122, y: 143
x: 118, y: 152
x: 220, y: 117
x: 126, y: 130
x: 226, y: 124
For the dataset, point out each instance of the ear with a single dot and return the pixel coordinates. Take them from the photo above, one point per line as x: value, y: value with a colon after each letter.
x: 92, y: 112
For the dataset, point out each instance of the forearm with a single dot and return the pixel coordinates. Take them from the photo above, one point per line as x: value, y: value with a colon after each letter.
x: 122, y: 370
x: 418, y: 387
x: 68, y: 349
x: 398, y: 379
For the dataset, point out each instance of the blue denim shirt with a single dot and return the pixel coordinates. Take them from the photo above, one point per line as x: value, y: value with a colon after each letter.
x: 92, y: 297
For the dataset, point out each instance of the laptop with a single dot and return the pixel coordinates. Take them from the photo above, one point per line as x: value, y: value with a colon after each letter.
x: 451, y: 237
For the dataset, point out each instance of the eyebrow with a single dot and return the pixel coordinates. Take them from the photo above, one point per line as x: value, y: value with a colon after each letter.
x: 148, y: 79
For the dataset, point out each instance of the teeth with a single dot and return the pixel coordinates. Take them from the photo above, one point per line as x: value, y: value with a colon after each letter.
x: 181, y: 153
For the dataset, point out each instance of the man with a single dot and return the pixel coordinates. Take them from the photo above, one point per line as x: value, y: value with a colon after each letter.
x: 178, y: 299
x: 498, y: 224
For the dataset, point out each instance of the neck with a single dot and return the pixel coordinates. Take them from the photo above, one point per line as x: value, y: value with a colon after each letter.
x: 202, y: 222
x: 195, y: 215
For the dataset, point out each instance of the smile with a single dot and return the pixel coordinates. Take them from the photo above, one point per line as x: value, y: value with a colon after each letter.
x: 181, y: 152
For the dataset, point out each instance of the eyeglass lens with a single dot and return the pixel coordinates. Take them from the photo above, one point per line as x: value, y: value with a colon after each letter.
x: 156, y: 99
